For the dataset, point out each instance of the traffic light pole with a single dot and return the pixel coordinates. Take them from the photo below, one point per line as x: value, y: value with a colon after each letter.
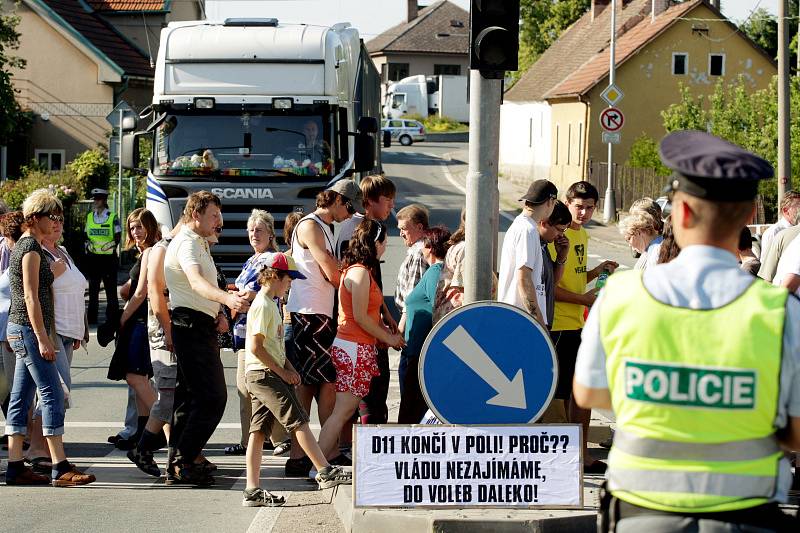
x: 482, y: 194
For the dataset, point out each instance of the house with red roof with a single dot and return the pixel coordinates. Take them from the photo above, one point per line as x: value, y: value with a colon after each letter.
x: 79, y: 66
x: 550, y: 119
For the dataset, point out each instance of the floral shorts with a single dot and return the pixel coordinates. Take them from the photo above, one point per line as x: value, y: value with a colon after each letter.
x: 355, y: 366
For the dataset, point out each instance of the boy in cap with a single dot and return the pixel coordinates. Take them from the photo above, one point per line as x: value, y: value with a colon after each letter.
x: 700, y: 362
x: 520, y: 281
x: 271, y: 379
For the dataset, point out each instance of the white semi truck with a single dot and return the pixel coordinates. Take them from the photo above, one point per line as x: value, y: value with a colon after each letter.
x: 260, y: 113
x: 442, y: 95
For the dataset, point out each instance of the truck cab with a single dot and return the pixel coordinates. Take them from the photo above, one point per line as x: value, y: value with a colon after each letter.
x: 262, y: 114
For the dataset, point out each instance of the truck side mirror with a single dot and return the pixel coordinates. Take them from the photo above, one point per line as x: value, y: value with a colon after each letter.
x: 367, y: 125
x: 364, y: 157
x: 130, y: 151
x: 387, y: 139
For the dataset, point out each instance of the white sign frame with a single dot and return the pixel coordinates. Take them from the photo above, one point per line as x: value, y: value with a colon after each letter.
x: 611, y: 137
x: 377, y: 484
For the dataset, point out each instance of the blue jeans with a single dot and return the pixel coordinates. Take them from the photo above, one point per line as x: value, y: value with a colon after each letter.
x: 63, y: 363
x: 33, y: 373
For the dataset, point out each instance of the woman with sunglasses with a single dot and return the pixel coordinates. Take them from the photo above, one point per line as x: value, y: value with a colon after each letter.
x: 131, y: 360
x: 354, y: 350
x: 30, y: 332
x: 69, y: 288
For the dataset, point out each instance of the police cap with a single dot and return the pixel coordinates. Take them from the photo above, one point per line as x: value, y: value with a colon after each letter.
x: 711, y: 168
x: 99, y: 193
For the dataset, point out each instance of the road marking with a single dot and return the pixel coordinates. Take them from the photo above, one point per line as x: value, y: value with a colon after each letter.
x: 266, y: 518
x: 449, y: 177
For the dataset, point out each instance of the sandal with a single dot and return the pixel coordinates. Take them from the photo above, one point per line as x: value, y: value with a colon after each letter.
x: 282, y: 448
x: 40, y: 465
x: 236, y: 449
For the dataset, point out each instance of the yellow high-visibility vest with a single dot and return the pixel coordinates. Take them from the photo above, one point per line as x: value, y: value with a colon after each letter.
x: 695, y: 394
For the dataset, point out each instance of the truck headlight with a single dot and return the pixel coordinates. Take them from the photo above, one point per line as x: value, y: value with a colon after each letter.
x: 204, y: 103
x: 282, y: 103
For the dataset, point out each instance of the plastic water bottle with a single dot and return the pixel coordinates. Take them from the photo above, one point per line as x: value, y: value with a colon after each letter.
x: 601, y: 279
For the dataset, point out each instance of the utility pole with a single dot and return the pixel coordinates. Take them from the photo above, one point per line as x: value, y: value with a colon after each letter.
x: 482, y: 203
x: 784, y: 113
x: 610, y: 207
x: 494, y: 48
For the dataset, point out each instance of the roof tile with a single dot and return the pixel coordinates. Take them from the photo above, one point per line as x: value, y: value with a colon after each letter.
x: 576, y: 45
x: 594, y: 70
x: 103, y: 36
x: 127, y: 5
x: 436, y: 30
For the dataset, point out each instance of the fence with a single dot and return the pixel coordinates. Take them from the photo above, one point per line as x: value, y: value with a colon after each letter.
x: 631, y: 184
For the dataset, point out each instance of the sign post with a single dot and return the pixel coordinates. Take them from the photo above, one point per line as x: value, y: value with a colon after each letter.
x: 610, y: 205
x: 116, y: 119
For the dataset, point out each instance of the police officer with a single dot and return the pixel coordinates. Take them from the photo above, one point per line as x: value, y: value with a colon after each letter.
x: 700, y: 362
x: 103, y: 234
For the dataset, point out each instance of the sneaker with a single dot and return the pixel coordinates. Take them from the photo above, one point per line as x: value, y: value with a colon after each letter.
x: 144, y: 461
x: 236, y: 449
x: 298, y: 467
x: 27, y: 477
x: 262, y: 498
x: 341, y: 460
x: 282, y: 448
x: 73, y: 478
x: 332, y: 476
x: 189, y: 475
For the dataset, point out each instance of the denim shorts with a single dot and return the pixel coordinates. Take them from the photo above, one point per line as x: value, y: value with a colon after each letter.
x: 32, y: 374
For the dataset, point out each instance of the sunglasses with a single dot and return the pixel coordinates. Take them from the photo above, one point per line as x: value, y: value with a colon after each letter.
x: 54, y: 218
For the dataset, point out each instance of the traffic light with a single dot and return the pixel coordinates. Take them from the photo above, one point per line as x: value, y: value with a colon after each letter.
x: 493, y: 36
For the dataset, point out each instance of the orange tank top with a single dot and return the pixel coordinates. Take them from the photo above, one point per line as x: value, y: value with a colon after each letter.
x: 349, y: 329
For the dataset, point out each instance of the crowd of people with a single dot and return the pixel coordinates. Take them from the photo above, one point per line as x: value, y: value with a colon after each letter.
x: 310, y: 323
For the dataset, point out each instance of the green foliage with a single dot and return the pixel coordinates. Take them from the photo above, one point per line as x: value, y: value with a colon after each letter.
x: 749, y: 119
x: 542, y: 23
x: 762, y: 28
x: 437, y: 124
x: 64, y: 184
x: 13, y: 120
x: 644, y: 154
x: 93, y: 168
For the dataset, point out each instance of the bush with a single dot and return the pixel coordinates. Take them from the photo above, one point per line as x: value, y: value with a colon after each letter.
x: 644, y: 154
x: 64, y: 184
x: 437, y: 124
x: 92, y: 168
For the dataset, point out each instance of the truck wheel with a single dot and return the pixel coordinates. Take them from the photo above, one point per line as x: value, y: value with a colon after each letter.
x: 406, y: 140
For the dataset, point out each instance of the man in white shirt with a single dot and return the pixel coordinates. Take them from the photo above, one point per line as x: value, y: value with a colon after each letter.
x: 520, y: 282
x: 789, y: 210
x: 200, y: 393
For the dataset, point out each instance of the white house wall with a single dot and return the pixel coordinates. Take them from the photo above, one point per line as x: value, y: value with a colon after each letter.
x: 525, y: 140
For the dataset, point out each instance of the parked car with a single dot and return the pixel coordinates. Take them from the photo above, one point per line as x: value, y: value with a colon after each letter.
x: 405, y: 131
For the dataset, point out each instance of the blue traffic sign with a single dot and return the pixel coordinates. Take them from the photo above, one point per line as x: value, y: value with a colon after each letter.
x: 488, y: 363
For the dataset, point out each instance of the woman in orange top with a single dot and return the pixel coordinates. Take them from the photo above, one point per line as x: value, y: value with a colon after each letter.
x: 360, y: 328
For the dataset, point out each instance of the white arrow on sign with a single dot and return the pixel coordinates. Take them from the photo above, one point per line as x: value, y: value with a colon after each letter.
x: 509, y: 393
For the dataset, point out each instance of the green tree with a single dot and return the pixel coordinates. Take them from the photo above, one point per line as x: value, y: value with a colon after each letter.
x: 12, y: 118
x: 744, y: 117
x: 93, y: 168
x: 543, y: 21
x: 762, y: 28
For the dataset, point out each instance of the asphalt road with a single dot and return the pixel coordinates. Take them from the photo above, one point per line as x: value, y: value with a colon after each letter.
x: 124, y: 499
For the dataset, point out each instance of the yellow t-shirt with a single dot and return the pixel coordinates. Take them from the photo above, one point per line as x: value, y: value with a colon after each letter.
x: 569, y: 316
x: 264, y: 318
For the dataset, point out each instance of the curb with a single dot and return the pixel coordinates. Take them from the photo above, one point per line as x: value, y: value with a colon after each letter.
x: 390, y: 520
x: 459, y: 137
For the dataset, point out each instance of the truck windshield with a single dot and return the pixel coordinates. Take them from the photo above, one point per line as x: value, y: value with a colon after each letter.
x: 245, y: 144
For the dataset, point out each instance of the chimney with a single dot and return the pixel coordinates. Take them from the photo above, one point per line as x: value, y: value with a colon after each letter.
x: 413, y: 9
x: 598, y: 6
x: 658, y: 7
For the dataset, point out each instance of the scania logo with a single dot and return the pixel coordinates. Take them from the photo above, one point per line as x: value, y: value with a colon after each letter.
x: 244, y: 194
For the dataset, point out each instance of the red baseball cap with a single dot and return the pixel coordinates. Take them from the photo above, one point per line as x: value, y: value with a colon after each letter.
x: 284, y: 263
